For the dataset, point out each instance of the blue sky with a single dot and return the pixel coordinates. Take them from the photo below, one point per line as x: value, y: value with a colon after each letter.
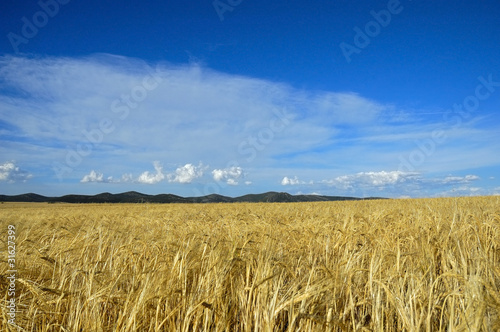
x: 359, y: 98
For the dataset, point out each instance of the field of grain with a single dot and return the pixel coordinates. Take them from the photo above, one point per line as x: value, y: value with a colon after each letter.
x: 384, y: 265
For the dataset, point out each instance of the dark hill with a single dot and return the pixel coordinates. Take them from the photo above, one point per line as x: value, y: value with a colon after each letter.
x: 24, y: 198
x: 136, y: 197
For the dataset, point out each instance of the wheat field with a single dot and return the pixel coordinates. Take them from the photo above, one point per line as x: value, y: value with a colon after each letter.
x: 381, y: 265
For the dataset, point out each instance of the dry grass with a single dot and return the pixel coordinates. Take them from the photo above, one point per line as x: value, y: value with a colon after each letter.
x: 394, y: 265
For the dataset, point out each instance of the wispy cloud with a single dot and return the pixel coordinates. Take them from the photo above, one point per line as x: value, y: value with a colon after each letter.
x: 459, y: 179
x: 392, y: 183
x: 464, y: 190
x: 372, y: 179
x: 359, y: 181
x: 61, y: 103
x: 67, y: 116
x: 348, y: 108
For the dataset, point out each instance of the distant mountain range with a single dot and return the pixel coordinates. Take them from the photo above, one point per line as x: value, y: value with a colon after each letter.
x: 135, y: 197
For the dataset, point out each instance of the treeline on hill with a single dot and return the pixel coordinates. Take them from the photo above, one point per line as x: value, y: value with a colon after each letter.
x: 136, y: 197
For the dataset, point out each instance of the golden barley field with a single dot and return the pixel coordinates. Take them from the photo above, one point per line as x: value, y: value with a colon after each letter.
x: 381, y: 265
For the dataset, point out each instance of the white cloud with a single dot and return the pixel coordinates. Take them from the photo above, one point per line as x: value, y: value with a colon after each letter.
x: 463, y: 191
x: 151, y: 178
x: 372, y: 179
x: 93, y: 176
x: 290, y: 181
x: 186, y: 173
x: 232, y: 182
x: 459, y: 179
x: 230, y: 175
x: 126, y: 178
x: 349, y: 108
x: 98, y: 177
x: 11, y: 173
x: 314, y: 193
x: 57, y: 101
x: 395, y: 184
x: 239, y: 112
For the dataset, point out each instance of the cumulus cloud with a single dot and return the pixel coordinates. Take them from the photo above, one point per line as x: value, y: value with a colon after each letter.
x: 11, y: 173
x: 290, y: 181
x: 183, y: 174
x: 151, y: 178
x: 186, y: 173
x: 93, y: 176
x: 229, y: 175
x: 98, y: 177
